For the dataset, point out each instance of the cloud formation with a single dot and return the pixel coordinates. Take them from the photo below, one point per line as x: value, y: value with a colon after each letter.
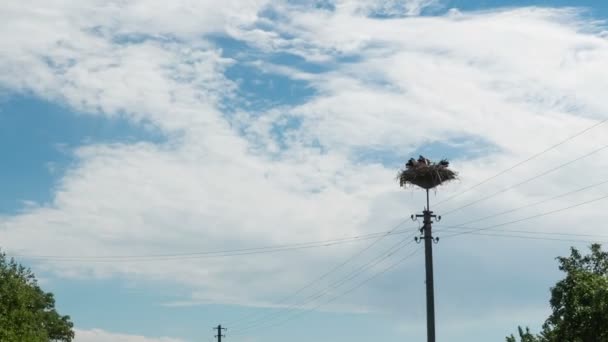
x: 507, y: 83
x: 98, y: 335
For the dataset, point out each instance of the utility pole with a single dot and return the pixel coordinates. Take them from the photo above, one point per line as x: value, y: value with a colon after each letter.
x: 427, y: 175
x: 426, y: 229
x: 219, y: 332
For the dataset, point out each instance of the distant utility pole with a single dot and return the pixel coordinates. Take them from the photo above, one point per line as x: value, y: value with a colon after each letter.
x: 426, y: 229
x: 219, y: 332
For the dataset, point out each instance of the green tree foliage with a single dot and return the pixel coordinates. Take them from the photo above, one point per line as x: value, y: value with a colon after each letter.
x: 27, y: 313
x: 579, y: 302
x: 524, y: 336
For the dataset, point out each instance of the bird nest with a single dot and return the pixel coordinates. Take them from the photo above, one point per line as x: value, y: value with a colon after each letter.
x: 425, y: 174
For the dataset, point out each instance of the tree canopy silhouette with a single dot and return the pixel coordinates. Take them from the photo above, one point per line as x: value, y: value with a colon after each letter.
x: 27, y: 313
x: 579, y: 302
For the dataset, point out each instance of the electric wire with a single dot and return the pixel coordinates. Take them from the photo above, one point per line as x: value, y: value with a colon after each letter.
x: 342, y: 294
x: 546, y: 172
x: 334, y: 269
x: 528, y: 218
x: 520, y: 231
x: 523, y: 161
x: 476, y: 231
x: 541, y: 238
x: 334, y: 285
x: 212, y: 254
x: 509, y: 211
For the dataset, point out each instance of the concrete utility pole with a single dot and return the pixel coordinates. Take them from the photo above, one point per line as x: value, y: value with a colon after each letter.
x: 426, y: 229
x: 219, y: 332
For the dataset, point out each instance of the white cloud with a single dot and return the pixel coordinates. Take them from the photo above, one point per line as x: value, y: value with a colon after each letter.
x: 518, y: 80
x: 129, y: 58
x: 98, y: 335
x: 385, y: 8
x: 437, y: 78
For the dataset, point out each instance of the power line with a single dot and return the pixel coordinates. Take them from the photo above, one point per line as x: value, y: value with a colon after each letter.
x: 324, y: 275
x: 350, y: 290
x: 531, y: 204
x: 523, y: 162
x: 530, y: 232
x: 526, y: 181
x: 528, y: 218
x: 336, y: 284
x: 476, y: 232
x: 213, y: 254
x: 492, y: 233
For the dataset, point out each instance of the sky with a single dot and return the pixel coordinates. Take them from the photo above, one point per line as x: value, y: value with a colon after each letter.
x: 171, y: 166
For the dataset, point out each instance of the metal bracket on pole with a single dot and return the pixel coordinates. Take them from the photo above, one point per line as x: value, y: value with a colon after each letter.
x: 219, y: 335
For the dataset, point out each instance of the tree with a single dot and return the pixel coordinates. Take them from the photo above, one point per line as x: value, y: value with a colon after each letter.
x: 579, y: 302
x: 27, y: 313
x: 524, y: 336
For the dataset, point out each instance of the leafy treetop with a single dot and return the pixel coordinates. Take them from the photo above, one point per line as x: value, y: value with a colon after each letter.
x: 579, y: 302
x: 27, y: 313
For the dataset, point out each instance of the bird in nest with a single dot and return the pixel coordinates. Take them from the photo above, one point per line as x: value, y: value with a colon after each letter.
x: 422, y: 161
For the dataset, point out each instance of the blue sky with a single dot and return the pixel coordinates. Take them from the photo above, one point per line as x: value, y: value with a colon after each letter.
x: 152, y: 130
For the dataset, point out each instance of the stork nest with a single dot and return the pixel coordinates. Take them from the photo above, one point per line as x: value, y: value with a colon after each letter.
x: 425, y: 174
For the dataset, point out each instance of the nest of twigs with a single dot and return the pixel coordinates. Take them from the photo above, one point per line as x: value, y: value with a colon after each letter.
x: 425, y: 174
